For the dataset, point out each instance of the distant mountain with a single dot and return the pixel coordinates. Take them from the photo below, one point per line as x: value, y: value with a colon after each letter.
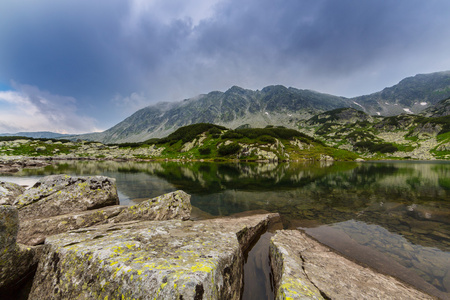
x: 273, y: 105
x: 37, y: 135
x: 411, y: 95
x: 237, y: 106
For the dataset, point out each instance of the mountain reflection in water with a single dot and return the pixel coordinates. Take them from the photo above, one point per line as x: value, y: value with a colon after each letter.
x: 399, y: 210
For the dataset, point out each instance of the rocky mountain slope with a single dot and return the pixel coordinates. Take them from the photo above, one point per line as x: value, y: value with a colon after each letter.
x: 406, y: 135
x: 273, y: 105
x: 233, y: 108
x: 441, y: 109
x: 411, y: 95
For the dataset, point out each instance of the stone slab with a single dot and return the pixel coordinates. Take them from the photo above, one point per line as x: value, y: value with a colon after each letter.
x: 306, y: 269
x: 148, y: 260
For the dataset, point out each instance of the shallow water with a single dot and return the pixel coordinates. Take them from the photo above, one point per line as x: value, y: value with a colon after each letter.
x: 394, y: 216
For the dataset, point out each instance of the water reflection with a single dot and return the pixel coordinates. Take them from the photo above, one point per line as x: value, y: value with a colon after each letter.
x: 399, y: 209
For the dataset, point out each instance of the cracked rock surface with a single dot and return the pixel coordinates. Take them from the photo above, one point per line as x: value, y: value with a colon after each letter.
x: 61, y: 194
x: 305, y: 269
x: 175, y: 205
x: 148, y: 260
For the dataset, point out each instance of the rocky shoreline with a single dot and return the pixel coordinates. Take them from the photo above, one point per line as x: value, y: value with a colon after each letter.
x: 67, y: 238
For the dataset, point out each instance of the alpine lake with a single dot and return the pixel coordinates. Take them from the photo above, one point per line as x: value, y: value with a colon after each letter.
x: 392, y: 216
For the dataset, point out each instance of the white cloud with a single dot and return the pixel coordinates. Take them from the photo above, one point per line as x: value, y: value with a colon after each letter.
x: 131, y: 103
x: 27, y: 108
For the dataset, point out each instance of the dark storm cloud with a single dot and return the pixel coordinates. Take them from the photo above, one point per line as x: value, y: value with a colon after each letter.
x: 66, y: 47
x: 324, y: 36
x: 113, y: 57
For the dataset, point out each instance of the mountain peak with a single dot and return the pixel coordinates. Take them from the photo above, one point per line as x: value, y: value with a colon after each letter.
x: 279, y: 106
x: 236, y: 90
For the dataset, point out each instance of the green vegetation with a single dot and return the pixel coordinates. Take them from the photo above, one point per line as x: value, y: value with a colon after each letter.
x: 275, y: 132
x: 13, y: 138
x: 374, y: 139
x: 190, y: 132
x: 34, y: 147
x: 335, y: 115
x: 229, y: 149
x: 360, y: 135
x: 443, y: 137
x: 373, y: 147
x: 204, y: 151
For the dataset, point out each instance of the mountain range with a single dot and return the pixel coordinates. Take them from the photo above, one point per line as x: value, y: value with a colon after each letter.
x: 276, y: 105
x: 37, y: 135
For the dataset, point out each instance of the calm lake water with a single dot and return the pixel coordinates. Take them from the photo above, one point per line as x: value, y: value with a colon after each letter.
x: 392, y: 216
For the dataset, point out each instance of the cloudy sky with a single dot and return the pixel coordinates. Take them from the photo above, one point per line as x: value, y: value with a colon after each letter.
x: 80, y: 65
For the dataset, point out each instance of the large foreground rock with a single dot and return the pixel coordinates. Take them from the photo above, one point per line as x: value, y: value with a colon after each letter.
x: 16, y: 262
x: 9, y: 192
x: 305, y: 269
x: 175, y: 205
x: 148, y: 260
x: 61, y: 194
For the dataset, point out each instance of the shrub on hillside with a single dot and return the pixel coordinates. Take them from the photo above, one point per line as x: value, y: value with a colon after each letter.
x: 229, y: 149
x: 279, y: 133
x: 215, y: 130
x: 267, y: 139
x: 189, y: 133
x: 372, y: 147
x: 232, y: 135
x: 204, y: 151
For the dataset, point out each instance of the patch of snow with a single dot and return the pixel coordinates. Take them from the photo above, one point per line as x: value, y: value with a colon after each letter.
x: 423, y: 103
x: 407, y: 110
x: 358, y: 104
x: 378, y: 113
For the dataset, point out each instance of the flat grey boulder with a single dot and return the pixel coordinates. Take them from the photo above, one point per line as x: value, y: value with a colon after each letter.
x: 61, y: 194
x: 305, y: 269
x: 175, y: 205
x: 148, y: 260
x: 35, y: 231
x: 9, y: 192
x: 16, y: 262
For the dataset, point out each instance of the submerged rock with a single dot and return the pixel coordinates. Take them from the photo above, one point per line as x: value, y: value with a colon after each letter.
x: 9, y: 192
x: 148, y: 260
x: 16, y: 262
x: 305, y: 269
x: 175, y: 205
x: 61, y: 194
